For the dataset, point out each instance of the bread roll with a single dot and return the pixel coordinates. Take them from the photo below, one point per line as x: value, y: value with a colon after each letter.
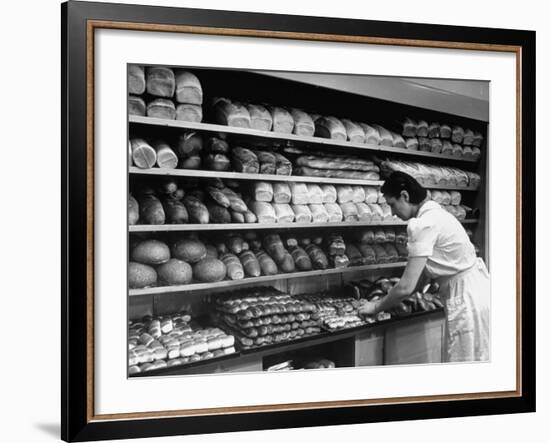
x: 344, y: 194
x: 281, y: 193
x: 372, y: 136
x: 244, y: 160
x: 363, y: 212
x: 314, y: 194
x: 263, y: 191
x: 358, y: 195
x: 349, y: 210
x: 299, y: 193
x: 457, y: 150
x: 302, y: 213
x: 457, y: 134
x: 422, y: 128
x: 260, y: 117
x: 166, y: 157
x: 436, y: 145
x: 330, y: 127
x: 355, y: 133
x: 151, y: 211
x: 133, y: 210
x: 283, y: 213
x: 161, y: 81
x: 318, y: 214
x: 447, y: 148
x: 188, y: 88
x: 397, y: 140
x: 150, y: 252
x: 303, y: 123
x: 412, y: 144
x: 408, y: 127
x: 161, y: 108
x: 175, y: 211
x: 267, y: 265
x: 144, y: 155
x: 189, y: 113
x: 136, y: 106
x: 231, y: 113
x: 282, y: 120
x: 264, y: 211
x: 329, y: 194
x: 334, y: 212
x: 445, y: 131
x: 433, y: 130
x: 140, y: 275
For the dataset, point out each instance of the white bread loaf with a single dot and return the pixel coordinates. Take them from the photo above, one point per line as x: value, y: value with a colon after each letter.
x: 397, y: 140
x: 144, y: 155
x: 456, y: 197
x: 381, y: 198
x: 334, y: 212
x: 161, y: 108
x: 314, y: 194
x: 345, y: 194
x: 260, y: 117
x: 302, y: 213
x: 408, y: 127
x: 358, y: 194
x: 188, y: 88
x: 457, y: 150
x: 355, y: 132
x: 371, y: 195
x: 161, y: 81
x: 264, y: 212
x: 364, y: 213
x: 377, y: 215
x: 136, y: 106
x: 468, y: 138
x: 386, y: 138
x: 166, y: 157
x: 349, y: 211
x: 303, y: 123
x: 412, y: 144
x: 299, y: 193
x: 330, y: 127
x: 283, y: 213
x: 318, y: 213
x: 263, y: 191
x: 422, y: 128
x: 476, y: 153
x: 281, y: 193
x: 282, y: 120
x: 372, y: 136
x: 445, y: 198
x: 136, y: 79
x: 329, y: 194
x: 189, y: 113
x: 231, y: 113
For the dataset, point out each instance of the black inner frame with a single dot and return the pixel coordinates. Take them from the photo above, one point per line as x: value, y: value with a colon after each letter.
x: 74, y: 424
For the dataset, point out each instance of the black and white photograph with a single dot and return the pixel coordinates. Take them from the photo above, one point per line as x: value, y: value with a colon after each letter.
x: 287, y: 221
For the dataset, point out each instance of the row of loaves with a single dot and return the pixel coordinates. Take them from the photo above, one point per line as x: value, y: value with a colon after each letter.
x: 421, y: 129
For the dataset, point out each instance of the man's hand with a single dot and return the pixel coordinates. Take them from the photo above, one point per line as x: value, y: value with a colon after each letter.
x: 367, y: 308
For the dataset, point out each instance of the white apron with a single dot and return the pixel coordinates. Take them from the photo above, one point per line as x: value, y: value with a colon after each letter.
x: 463, y: 278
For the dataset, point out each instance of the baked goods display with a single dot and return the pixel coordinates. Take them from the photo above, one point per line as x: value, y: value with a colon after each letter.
x: 334, y: 312
x: 451, y: 202
x: 173, y: 340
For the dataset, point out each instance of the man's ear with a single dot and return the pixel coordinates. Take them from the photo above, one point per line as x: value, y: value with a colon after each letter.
x: 405, y: 195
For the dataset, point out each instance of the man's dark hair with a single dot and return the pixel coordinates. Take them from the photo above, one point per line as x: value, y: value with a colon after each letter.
x: 399, y: 181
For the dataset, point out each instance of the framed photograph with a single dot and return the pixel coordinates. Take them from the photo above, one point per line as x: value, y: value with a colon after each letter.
x: 277, y: 221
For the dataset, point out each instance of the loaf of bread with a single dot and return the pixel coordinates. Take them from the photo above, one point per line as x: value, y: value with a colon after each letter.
x: 244, y: 160
x: 397, y: 140
x: 381, y: 254
x: 408, y: 127
x: 216, y: 145
x: 457, y: 150
x: 218, y: 214
x: 175, y: 272
x: 189, y: 113
x: 334, y: 212
x: 386, y: 138
x: 349, y: 211
x: 371, y: 194
x: 188, y: 88
x: 263, y: 191
x: 473, y: 179
x: 140, y: 275
x: 377, y: 215
x: 303, y: 123
x: 260, y: 117
x: 329, y: 194
x: 379, y: 236
x: 301, y: 259
x: 189, y: 144
x: 175, y: 211
x: 390, y: 235
x: 237, y: 217
x: 136, y: 106
x: 344, y: 163
x: 476, y: 153
x: 302, y: 213
x: 381, y: 198
x: 335, y: 245
x: 250, y: 217
x: 436, y: 196
x: 283, y: 165
x: 250, y: 264
x: 151, y: 211
x: 422, y: 128
x: 161, y: 108
x: 217, y: 162
x: 136, y: 79
x: 161, y: 81
x: 433, y: 130
x: 344, y: 194
x: 391, y: 252
x: 274, y: 247
x: 282, y: 120
x: 281, y: 193
x: 218, y: 196
x: 192, y: 162
x: 314, y: 194
x: 133, y: 210
x: 467, y: 152
x: 198, y: 213
x: 330, y: 127
x: 445, y: 198
x: 457, y: 134
x: 445, y: 131
x: 166, y: 157
x: 209, y: 270
x: 424, y: 144
x: 436, y: 145
x: 299, y: 193
x: 318, y: 258
x: 456, y: 197
x: 386, y: 212
x: 372, y: 136
x: 337, y: 173
x: 355, y: 132
x: 354, y: 255
x: 318, y: 214
x: 358, y: 195
x: 468, y: 138
x: 144, y: 155
x: 265, y: 213
x: 267, y: 264
x: 230, y: 113
x: 447, y: 148
x: 477, y: 140
x: 367, y: 251
x: 412, y: 144
x: 363, y: 212
x: 267, y: 162
x: 150, y: 252
x: 283, y: 213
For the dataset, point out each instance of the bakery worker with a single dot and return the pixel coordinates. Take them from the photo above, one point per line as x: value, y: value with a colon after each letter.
x: 439, y: 246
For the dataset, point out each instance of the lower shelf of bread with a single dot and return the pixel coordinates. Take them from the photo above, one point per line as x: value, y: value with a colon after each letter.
x: 263, y: 279
x: 266, y: 226
x: 303, y: 342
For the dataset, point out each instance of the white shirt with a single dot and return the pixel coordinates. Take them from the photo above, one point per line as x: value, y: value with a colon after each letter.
x: 438, y: 235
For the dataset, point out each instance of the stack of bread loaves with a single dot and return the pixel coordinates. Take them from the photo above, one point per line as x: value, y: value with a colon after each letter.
x: 170, y: 94
x: 168, y: 341
x: 451, y: 202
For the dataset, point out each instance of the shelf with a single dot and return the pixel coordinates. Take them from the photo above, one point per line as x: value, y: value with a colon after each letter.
x: 207, y: 127
x: 266, y: 278
x: 265, y: 226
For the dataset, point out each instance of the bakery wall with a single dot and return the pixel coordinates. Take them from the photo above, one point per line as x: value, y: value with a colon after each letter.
x: 30, y: 381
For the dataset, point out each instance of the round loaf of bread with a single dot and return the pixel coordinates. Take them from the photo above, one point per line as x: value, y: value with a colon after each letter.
x: 189, y: 250
x: 134, y: 370
x: 151, y: 252
x: 175, y: 272
x: 140, y: 275
x: 209, y: 270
